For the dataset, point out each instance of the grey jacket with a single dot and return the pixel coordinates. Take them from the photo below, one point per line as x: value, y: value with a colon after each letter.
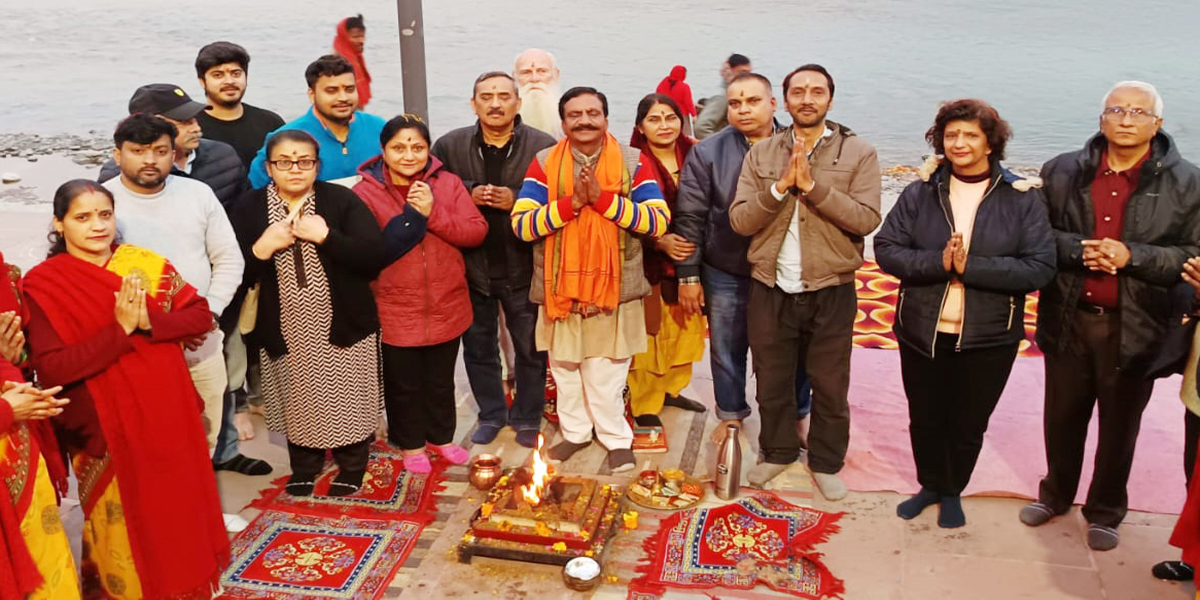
x: 459, y: 151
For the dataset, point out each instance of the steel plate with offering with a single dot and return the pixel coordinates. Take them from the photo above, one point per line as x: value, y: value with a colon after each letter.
x: 669, y: 489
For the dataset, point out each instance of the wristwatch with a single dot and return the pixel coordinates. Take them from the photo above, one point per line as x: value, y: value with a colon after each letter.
x: 692, y: 280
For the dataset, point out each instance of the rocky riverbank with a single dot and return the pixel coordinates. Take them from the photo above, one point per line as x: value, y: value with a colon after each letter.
x: 91, y: 148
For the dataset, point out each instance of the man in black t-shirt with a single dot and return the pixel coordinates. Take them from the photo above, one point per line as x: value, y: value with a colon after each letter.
x: 222, y: 68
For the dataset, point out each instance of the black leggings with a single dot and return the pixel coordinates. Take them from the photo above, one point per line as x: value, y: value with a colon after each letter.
x: 418, y: 385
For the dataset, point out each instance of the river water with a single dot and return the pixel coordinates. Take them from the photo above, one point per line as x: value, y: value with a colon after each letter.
x: 70, y: 65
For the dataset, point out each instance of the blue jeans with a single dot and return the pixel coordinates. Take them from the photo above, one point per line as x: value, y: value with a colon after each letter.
x: 726, y: 296
x: 481, y: 356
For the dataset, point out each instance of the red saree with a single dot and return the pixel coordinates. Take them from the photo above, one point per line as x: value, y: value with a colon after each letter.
x: 148, y: 412
x: 19, y: 574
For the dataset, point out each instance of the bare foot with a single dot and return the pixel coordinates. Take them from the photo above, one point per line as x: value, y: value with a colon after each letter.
x: 718, y: 434
x: 245, y: 427
x: 381, y: 429
x: 802, y: 427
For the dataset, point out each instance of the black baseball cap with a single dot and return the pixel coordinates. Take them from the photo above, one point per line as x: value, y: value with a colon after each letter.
x: 165, y: 99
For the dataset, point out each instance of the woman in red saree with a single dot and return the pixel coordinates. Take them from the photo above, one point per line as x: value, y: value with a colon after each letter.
x: 106, y: 322
x: 33, y: 544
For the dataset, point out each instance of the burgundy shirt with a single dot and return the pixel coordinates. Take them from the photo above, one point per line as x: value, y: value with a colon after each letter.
x: 1110, y: 195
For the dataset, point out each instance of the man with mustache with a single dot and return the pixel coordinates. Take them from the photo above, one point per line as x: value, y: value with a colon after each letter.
x: 212, y: 162
x: 181, y: 219
x: 348, y: 137
x: 491, y: 158
x: 712, y: 117
x: 537, y: 74
x: 583, y: 201
x: 808, y: 196
x: 223, y: 69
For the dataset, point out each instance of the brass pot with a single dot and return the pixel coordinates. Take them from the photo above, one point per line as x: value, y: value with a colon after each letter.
x: 485, y: 471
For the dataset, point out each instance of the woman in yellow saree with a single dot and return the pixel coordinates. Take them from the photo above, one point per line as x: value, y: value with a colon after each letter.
x: 35, y: 556
x: 106, y: 322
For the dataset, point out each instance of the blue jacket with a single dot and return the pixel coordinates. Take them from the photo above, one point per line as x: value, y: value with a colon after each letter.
x: 706, y: 188
x: 338, y: 160
x: 1012, y: 253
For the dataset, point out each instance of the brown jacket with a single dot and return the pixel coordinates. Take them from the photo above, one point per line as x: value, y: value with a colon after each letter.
x: 840, y: 211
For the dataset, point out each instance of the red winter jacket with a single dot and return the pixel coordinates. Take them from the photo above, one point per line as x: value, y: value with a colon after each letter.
x: 422, y: 297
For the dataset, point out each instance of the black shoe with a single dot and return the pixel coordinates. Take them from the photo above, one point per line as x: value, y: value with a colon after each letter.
x: 244, y: 465
x: 345, y: 483
x: 648, y: 421
x: 528, y: 437
x: 1173, y: 570
x: 485, y: 433
x: 684, y: 403
x: 300, y: 485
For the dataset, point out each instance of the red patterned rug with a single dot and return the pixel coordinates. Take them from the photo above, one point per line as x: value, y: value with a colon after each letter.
x: 288, y: 556
x: 388, y: 491
x: 756, y: 540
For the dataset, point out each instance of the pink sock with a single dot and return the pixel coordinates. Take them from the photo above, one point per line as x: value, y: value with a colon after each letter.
x: 417, y: 463
x: 454, y: 453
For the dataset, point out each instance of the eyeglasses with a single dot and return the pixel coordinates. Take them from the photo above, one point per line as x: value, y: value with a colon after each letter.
x: 1116, y: 113
x: 283, y: 164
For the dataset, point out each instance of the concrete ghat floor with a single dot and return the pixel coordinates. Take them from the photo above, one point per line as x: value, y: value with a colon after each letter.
x: 878, y: 555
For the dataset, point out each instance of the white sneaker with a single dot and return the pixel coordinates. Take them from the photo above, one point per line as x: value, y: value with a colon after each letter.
x: 234, y: 523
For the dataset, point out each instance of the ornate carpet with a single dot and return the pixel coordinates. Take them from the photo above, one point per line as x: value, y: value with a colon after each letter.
x: 322, y: 546
x: 757, y: 540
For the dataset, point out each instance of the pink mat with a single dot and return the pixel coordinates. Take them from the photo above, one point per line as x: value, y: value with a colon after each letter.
x: 1014, y: 456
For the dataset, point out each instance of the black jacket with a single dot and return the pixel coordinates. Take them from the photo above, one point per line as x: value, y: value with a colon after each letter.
x: 216, y: 164
x: 352, y: 256
x: 707, y: 184
x: 1161, y: 229
x: 1011, y: 254
x: 459, y: 151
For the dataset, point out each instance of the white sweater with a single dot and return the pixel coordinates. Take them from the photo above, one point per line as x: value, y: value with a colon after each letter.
x: 187, y: 225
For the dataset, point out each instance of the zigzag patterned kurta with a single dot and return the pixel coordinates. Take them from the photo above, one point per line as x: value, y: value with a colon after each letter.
x: 318, y: 394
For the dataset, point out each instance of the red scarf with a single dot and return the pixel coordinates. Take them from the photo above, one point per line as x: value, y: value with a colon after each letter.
x: 362, y: 79
x: 146, y: 404
x: 658, y: 266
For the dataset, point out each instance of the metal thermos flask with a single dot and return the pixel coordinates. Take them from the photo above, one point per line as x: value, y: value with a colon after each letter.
x: 729, y: 465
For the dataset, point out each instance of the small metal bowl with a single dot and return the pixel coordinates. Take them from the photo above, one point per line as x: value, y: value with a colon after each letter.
x: 484, y: 471
x: 584, y: 564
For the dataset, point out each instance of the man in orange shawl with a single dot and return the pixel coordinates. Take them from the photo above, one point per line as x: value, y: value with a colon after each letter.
x: 349, y: 41
x: 582, y: 201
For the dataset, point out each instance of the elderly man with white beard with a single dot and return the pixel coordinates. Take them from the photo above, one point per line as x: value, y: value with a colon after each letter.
x: 537, y: 74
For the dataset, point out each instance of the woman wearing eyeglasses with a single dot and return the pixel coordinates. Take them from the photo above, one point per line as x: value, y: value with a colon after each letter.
x: 313, y: 249
x: 424, y: 303
x: 967, y: 242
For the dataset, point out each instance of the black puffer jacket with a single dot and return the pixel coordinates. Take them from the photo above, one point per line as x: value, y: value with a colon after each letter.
x: 459, y: 151
x: 217, y: 164
x: 1161, y: 230
x: 1012, y: 254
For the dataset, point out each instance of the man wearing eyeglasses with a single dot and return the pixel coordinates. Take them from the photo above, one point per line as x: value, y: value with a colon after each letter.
x: 1126, y: 215
x: 348, y: 136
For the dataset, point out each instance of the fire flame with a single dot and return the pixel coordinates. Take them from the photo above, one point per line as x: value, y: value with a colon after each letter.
x: 532, y: 492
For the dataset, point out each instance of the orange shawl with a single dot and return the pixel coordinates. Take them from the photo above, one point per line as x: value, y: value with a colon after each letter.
x: 583, y: 269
